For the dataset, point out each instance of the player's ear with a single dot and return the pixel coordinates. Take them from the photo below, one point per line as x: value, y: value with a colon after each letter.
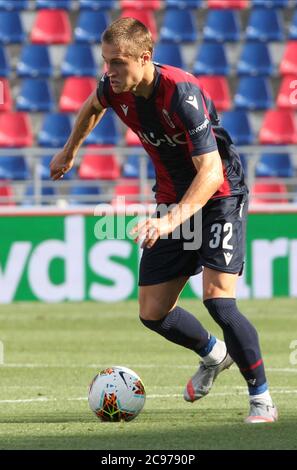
x: 146, y: 57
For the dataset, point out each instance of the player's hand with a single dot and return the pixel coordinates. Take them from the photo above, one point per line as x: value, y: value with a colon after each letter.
x: 150, y: 230
x: 60, y: 164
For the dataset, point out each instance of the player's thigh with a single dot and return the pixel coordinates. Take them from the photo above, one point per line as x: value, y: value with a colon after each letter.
x: 156, y: 301
x: 218, y: 284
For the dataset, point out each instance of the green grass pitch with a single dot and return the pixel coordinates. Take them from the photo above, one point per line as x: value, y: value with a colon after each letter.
x: 52, y: 352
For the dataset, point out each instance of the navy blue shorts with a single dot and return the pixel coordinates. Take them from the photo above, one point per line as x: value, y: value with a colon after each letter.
x: 221, y: 246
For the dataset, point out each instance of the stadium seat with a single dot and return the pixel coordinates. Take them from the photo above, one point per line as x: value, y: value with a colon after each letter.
x: 10, y: 5
x: 287, y: 95
x: 128, y: 189
x: 6, y: 195
x: 5, y: 95
x: 79, y: 60
x: 228, y: 4
x: 106, y: 132
x: 270, y: 3
x: 265, y: 25
x: 178, y: 26
x: 14, y: 168
x: 254, y: 93
x: 44, y: 169
x: 131, y: 138
x: 131, y: 167
x: 288, y: 63
x: 90, y: 25
x: 101, y: 166
x: 11, y: 28
x: 268, y: 193
x: 34, y: 62
x: 168, y: 53
x: 255, y: 59
x: 218, y: 89
x: 45, y: 191
x: 55, y: 130
x: 293, y: 27
x: 238, y: 125
x: 54, y: 4
x: 145, y: 16
x: 211, y: 60
x: 84, y: 194
x: 190, y: 4
x: 277, y: 165
x: 51, y: 27
x: 97, y: 4
x: 15, y: 130
x: 141, y: 4
x: 222, y: 26
x: 278, y: 127
x: 4, y: 63
x: 35, y: 95
x: 74, y: 93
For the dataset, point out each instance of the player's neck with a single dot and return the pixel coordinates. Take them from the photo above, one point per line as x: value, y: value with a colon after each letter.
x: 146, y: 86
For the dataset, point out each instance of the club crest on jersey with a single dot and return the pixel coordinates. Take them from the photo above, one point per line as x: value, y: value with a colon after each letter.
x: 168, y: 118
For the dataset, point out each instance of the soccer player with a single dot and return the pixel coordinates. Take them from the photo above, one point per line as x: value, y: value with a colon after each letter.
x: 197, y: 167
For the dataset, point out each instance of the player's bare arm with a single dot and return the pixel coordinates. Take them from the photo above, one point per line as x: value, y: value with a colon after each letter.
x: 88, y: 117
x: 207, y: 181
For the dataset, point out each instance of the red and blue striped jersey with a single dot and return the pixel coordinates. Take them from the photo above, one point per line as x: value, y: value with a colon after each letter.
x: 176, y: 123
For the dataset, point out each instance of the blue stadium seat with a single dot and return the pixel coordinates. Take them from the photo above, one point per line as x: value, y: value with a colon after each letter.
x: 276, y: 165
x: 183, y: 3
x: 237, y: 124
x: 168, y: 53
x: 222, y: 25
x: 14, y: 168
x: 270, y: 3
x: 97, y: 4
x: 55, y: 130
x: 44, y: 169
x: 90, y: 25
x: 79, y: 60
x: 254, y: 93
x: 34, y: 62
x: 265, y: 24
x: 4, y: 63
x: 11, y: 28
x: 54, y: 4
x: 255, y: 59
x: 131, y: 167
x: 35, y: 95
x: 211, y: 60
x: 293, y: 27
x: 178, y: 26
x: 106, y: 132
x: 14, y: 5
x: 28, y: 199
x: 84, y: 195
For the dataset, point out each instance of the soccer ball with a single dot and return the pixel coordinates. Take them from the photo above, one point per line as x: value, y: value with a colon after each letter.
x: 116, y: 394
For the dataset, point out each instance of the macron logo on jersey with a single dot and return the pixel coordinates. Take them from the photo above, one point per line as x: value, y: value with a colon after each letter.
x: 124, y: 108
x: 192, y: 100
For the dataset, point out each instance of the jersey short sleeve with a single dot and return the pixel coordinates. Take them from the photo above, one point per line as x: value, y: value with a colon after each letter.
x: 102, y: 91
x: 192, y: 113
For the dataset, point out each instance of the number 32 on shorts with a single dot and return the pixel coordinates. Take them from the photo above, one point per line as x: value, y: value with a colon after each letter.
x: 221, y: 232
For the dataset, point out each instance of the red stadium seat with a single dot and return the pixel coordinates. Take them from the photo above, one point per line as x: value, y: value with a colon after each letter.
x: 15, y: 130
x: 263, y: 193
x: 132, y: 139
x: 218, y: 89
x: 287, y: 95
x: 279, y: 127
x: 6, y: 195
x: 51, y: 27
x: 5, y: 96
x: 145, y: 16
x: 99, y: 166
x: 75, y: 91
x: 141, y: 4
x: 288, y: 63
x: 229, y: 4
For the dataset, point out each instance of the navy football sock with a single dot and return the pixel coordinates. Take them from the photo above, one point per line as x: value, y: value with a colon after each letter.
x: 241, y: 339
x: 180, y: 327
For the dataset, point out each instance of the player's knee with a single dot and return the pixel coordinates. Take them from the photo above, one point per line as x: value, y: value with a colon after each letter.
x: 222, y: 310
x: 151, y: 310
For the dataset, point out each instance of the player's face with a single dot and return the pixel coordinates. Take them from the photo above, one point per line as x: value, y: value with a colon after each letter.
x: 125, y: 72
